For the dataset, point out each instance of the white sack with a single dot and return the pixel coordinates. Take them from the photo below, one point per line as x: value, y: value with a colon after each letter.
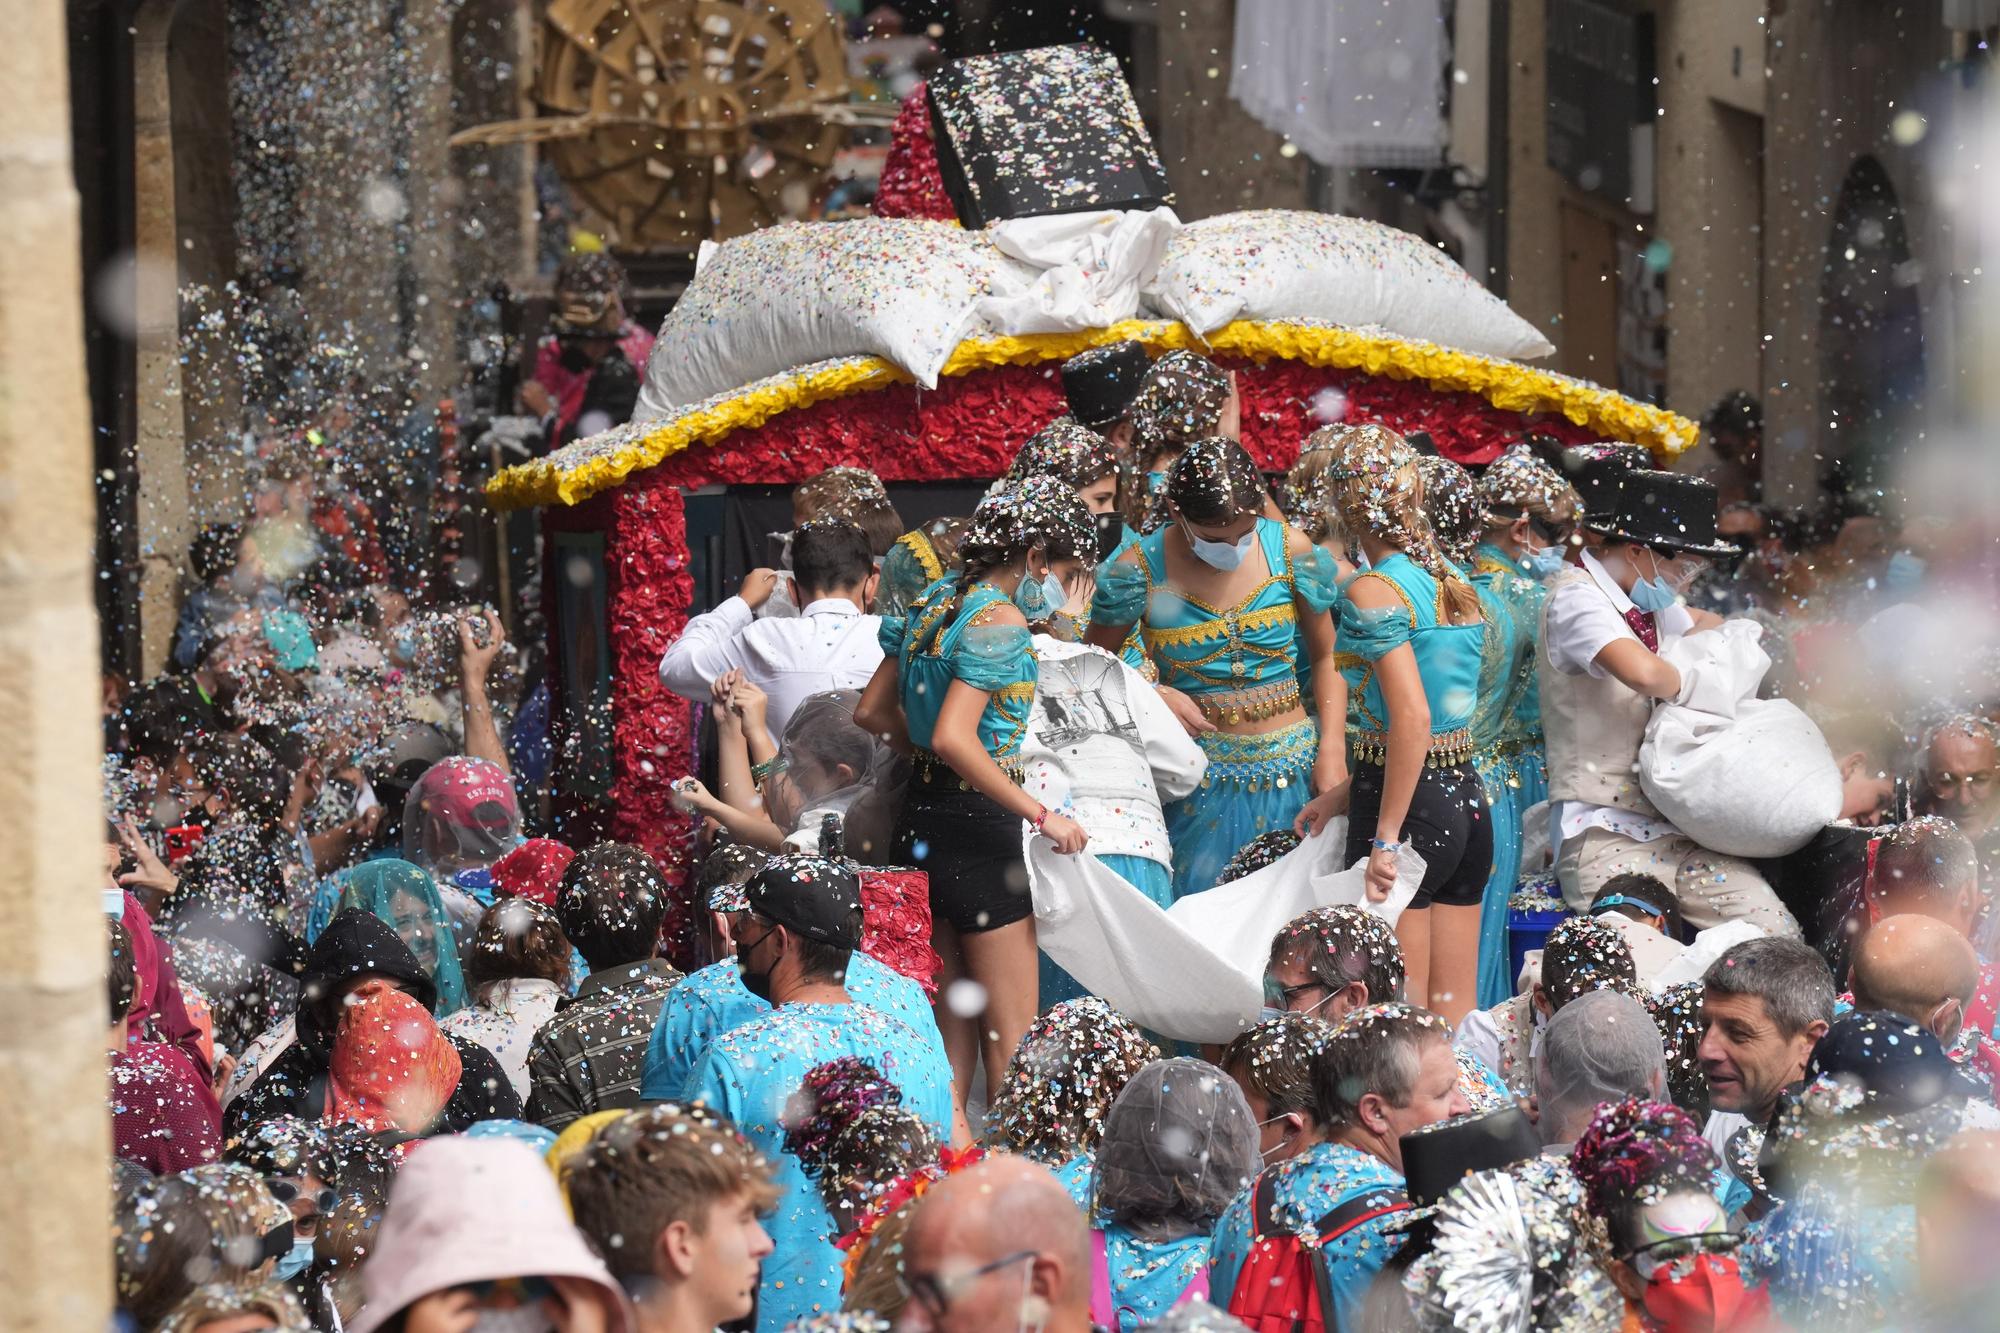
x: 1090, y: 268
x: 1740, y: 775
x: 1193, y: 972
x: 1279, y: 264
x: 903, y: 289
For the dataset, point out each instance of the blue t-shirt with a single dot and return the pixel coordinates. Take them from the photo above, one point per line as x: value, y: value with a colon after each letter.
x: 1307, y: 1188
x: 1147, y: 1277
x: 713, y: 1001
x: 750, y: 1073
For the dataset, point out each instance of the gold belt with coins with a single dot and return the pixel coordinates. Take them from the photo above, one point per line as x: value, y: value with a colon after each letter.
x: 1448, y: 749
x: 1231, y: 707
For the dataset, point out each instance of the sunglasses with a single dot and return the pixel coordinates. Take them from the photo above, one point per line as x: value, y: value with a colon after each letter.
x: 285, y: 1191
x: 503, y: 1293
x: 1650, y: 1259
x: 934, y: 1294
x: 1281, y: 997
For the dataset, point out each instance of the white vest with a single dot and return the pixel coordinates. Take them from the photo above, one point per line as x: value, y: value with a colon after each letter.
x: 1593, y: 727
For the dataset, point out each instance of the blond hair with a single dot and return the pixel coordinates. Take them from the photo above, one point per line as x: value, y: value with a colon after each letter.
x: 654, y: 1167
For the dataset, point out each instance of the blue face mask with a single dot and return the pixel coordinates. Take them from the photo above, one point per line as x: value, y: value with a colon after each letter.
x: 1155, y: 482
x: 1905, y: 572
x: 295, y: 1261
x: 1546, y: 562
x: 1224, y: 556
x: 114, y: 902
x: 1038, y: 598
x: 1653, y: 595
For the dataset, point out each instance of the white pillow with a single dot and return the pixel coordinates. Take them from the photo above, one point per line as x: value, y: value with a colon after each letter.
x: 1280, y: 264
x: 904, y: 289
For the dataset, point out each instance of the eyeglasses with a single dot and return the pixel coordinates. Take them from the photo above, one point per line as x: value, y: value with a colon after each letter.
x: 1650, y: 1259
x: 1281, y: 997
x: 934, y: 1294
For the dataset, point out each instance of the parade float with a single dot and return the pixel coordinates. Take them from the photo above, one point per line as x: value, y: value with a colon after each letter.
x: 923, y: 350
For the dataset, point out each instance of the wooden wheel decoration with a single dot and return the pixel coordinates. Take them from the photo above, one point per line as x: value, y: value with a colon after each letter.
x: 676, y: 121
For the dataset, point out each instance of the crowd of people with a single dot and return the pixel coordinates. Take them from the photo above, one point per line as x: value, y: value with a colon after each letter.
x: 385, y: 1056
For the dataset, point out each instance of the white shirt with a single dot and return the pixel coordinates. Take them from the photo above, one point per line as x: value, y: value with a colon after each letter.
x: 829, y: 645
x: 1582, y: 620
x: 505, y: 1022
x: 1104, y: 747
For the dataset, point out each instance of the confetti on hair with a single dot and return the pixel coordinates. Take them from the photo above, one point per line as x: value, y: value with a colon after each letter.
x: 1637, y: 1151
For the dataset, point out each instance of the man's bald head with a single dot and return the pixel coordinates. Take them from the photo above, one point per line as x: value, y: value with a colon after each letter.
x: 1917, y: 967
x: 1002, y: 1208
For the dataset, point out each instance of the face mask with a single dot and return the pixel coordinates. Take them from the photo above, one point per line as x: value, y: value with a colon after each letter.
x: 403, y: 645
x: 1155, y: 482
x: 1038, y: 598
x: 1110, y: 531
x: 1546, y: 562
x: 1708, y: 1295
x: 526, y: 1319
x: 1653, y: 595
x: 114, y: 902
x: 296, y: 1261
x: 1224, y: 556
x: 1905, y: 572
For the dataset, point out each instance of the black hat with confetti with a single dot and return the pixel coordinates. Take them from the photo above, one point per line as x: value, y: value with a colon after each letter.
x: 1101, y: 383
x: 1594, y: 469
x: 810, y: 896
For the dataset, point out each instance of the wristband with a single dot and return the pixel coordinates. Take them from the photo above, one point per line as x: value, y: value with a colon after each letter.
x: 758, y: 772
x: 1382, y: 846
x: 1041, y: 818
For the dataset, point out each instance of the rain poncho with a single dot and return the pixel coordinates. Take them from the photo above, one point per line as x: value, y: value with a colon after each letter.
x: 1178, y: 1145
x: 829, y: 766
x: 358, y: 945
x: 460, y: 815
x: 404, y: 897
x: 392, y: 1069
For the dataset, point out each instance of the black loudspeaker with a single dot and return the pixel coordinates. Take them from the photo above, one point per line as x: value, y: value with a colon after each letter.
x: 1052, y: 130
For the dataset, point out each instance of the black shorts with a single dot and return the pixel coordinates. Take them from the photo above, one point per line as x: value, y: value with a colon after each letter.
x: 971, y: 849
x: 1448, y: 825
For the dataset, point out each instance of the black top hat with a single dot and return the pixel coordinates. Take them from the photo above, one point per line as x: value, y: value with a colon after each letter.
x: 1668, y: 511
x: 1438, y: 1156
x: 1594, y: 469
x: 813, y: 896
x: 1101, y: 383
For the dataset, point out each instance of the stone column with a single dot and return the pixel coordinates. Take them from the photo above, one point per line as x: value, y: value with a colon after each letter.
x: 55, y: 1265
x: 160, y: 449
x: 1217, y: 156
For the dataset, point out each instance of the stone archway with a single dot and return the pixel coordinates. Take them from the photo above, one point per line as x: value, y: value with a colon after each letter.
x: 1871, y: 336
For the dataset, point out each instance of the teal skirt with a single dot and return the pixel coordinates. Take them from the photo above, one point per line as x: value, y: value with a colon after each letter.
x: 1514, y: 782
x: 1148, y: 877
x: 1253, y: 785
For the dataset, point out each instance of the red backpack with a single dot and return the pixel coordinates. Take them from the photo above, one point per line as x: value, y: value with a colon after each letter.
x: 1284, y: 1285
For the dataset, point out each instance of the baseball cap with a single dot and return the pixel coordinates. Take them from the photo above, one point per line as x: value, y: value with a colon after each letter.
x: 814, y: 896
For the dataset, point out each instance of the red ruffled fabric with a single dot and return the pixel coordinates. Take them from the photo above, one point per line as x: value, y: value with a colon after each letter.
x: 896, y: 923
x: 652, y: 728
x: 911, y: 185
x: 534, y: 871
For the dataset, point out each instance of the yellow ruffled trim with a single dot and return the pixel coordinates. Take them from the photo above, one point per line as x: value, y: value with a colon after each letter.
x: 1505, y: 384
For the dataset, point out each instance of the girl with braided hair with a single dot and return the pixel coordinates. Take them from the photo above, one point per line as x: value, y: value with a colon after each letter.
x: 1233, y: 607
x: 955, y: 688
x: 1410, y: 629
x: 1528, y: 513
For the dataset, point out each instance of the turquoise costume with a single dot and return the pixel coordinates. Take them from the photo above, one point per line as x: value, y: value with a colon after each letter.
x: 1507, y: 741
x: 933, y: 648
x: 1238, y: 664
x: 1447, y: 657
